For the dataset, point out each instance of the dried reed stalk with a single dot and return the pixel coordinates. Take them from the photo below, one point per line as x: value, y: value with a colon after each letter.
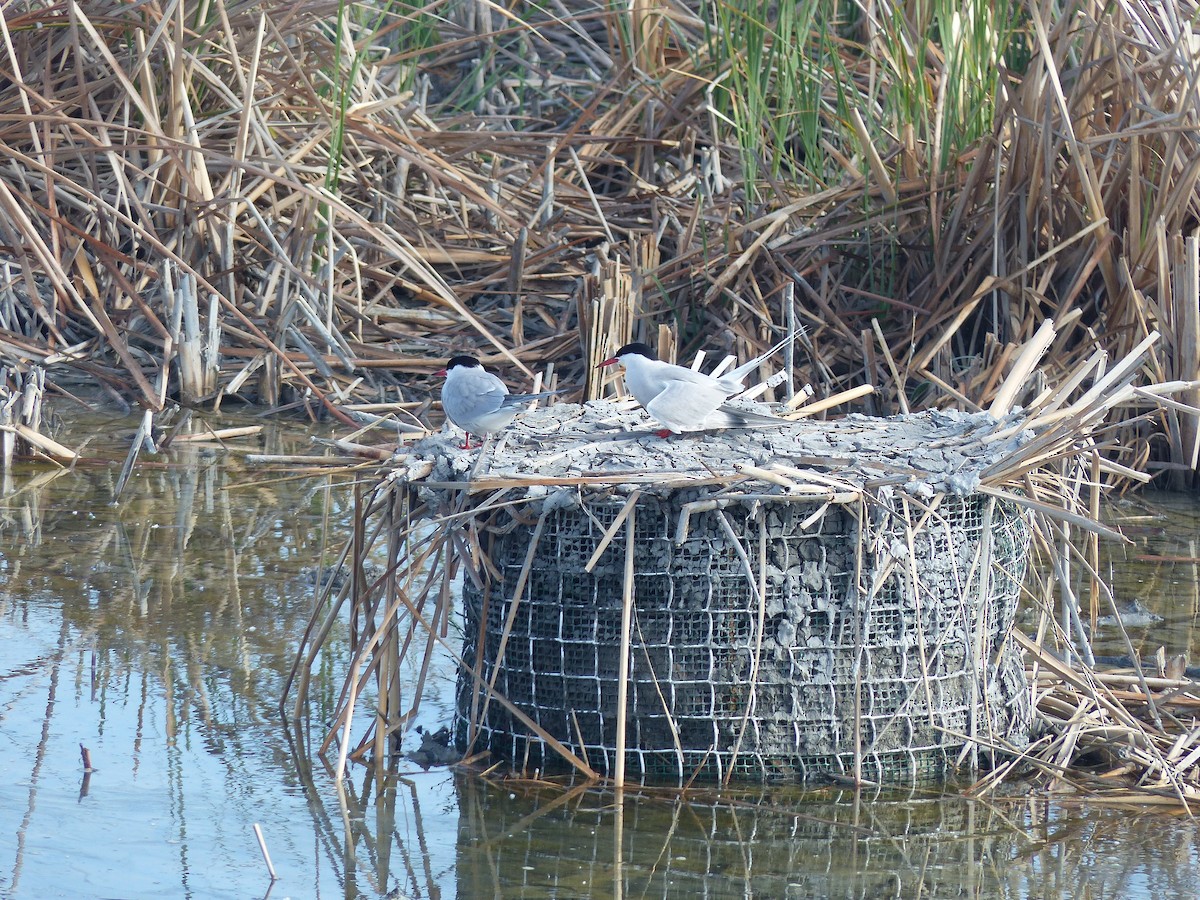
x: 1141, y: 756
x: 623, y: 651
x: 22, y: 393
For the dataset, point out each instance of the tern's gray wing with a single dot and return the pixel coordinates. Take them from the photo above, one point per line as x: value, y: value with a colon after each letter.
x: 518, y: 399
x: 684, y: 375
x: 729, y: 416
x: 469, y: 399
x: 646, y: 379
x: 684, y: 405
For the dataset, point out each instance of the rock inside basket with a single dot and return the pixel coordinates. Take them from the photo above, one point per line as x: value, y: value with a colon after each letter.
x: 828, y: 599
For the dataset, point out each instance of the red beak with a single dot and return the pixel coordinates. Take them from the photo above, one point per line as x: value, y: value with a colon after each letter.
x: 440, y: 372
x: 612, y: 361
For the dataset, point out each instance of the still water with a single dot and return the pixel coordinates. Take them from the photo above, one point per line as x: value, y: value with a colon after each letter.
x: 157, y: 631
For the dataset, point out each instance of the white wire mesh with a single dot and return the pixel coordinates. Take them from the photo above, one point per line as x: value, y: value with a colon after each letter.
x: 882, y: 646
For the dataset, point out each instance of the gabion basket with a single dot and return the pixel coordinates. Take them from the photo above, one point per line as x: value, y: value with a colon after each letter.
x: 865, y: 640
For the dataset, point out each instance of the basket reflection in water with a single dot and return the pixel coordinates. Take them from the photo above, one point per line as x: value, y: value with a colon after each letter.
x: 793, y: 845
x: 777, y: 638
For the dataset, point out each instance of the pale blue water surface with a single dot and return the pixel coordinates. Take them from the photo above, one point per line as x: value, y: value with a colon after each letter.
x: 157, y: 632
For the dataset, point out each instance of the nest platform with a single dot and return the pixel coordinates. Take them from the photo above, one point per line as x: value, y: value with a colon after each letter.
x: 811, y: 601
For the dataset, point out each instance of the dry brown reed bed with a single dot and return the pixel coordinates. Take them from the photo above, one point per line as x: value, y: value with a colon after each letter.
x: 1120, y: 737
x: 269, y: 202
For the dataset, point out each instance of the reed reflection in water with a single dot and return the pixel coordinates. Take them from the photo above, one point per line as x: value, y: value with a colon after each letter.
x: 788, y: 843
x: 157, y: 632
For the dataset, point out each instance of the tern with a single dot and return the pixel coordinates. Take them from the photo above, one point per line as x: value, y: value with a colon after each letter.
x: 477, y: 401
x: 683, y: 399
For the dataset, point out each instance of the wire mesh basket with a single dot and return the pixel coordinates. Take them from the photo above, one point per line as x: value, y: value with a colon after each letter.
x: 775, y: 640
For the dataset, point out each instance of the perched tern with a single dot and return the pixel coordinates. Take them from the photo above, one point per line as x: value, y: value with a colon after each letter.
x: 477, y: 401
x: 683, y: 399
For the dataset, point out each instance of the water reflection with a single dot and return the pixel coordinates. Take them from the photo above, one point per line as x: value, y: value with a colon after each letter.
x: 157, y: 632
x: 530, y: 843
x: 1155, y: 578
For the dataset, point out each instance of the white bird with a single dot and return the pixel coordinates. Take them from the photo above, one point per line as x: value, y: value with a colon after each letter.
x: 683, y: 399
x: 477, y: 401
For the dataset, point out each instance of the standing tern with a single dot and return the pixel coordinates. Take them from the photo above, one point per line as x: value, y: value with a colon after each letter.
x: 477, y: 401
x: 683, y: 399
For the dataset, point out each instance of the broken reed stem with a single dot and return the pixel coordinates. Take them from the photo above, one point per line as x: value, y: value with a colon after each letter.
x: 347, y: 718
x: 914, y: 583
x: 1022, y: 368
x: 668, y: 713
x: 756, y: 655
x: 514, y: 604
x: 901, y: 393
x: 262, y: 846
x: 618, y: 885
x: 861, y: 601
x: 820, y: 406
x: 190, y: 356
x: 218, y: 434
x: 314, y: 636
x: 387, y: 676
x: 1188, y: 358
x: 626, y: 510
x: 556, y: 745
x: 474, y: 721
x: 980, y: 661
x: 142, y: 436
x: 623, y: 655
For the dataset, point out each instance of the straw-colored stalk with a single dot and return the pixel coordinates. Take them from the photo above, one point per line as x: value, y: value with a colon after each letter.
x: 627, y: 599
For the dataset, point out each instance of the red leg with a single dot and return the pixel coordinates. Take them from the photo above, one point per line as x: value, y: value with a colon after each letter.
x: 664, y: 432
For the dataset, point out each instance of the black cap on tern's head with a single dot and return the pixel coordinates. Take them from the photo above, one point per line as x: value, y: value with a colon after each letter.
x: 456, y: 361
x: 639, y: 348
x: 635, y: 349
